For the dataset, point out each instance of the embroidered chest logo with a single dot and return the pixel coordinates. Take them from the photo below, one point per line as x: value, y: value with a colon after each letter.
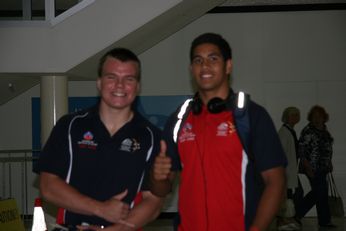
x: 87, y: 141
x: 225, y: 129
x: 130, y: 145
x: 187, y: 133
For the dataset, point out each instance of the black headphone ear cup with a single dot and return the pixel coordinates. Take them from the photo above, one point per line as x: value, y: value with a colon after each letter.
x: 216, y: 105
x: 196, y: 106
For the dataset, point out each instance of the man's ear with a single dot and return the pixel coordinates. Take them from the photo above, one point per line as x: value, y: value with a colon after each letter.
x: 98, y: 83
x: 229, y: 65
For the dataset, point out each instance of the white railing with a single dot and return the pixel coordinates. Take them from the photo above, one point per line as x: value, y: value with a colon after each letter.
x: 18, y: 179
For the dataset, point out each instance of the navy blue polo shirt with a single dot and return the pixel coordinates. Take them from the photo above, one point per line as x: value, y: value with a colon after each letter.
x: 81, y: 151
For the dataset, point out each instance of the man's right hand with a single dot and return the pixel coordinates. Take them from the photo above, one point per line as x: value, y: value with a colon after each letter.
x: 114, y: 209
x: 162, y: 164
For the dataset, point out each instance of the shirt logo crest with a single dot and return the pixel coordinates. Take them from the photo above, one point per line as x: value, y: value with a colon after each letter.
x: 187, y: 133
x: 88, y: 136
x: 225, y: 129
x: 130, y: 145
x: 87, y: 141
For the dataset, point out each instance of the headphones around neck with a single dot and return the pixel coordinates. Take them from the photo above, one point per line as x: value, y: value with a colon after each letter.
x: 214, y: 105
x: 234, y: 101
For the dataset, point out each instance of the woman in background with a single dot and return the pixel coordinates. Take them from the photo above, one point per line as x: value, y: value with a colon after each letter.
x: 315, y: 151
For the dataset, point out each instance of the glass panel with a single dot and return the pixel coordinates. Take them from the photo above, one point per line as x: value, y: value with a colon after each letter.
x: 62, y: 5
x: 11, y: 10
x: 38, y: 9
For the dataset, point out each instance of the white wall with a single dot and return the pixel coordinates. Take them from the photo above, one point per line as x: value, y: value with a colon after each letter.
x: 281, y: 59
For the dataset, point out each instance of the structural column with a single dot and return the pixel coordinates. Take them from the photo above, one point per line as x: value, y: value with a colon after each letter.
x: 54, y: 103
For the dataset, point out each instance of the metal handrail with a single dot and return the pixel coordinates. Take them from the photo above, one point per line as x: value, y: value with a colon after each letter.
x: 17, y: 159
x: 7, y: 158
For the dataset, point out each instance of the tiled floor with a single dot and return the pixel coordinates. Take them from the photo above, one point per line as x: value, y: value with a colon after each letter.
x: 309, y: 224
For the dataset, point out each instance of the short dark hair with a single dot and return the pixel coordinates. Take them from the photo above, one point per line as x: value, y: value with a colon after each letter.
x: 215, y: 39
x: 318, y: 109
x: 122, y: 54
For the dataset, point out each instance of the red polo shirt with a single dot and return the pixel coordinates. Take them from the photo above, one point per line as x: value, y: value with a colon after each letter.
x: 211, y: 196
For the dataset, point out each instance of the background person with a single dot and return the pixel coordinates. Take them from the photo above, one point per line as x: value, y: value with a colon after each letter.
x: 290, y: 117
x: 315, y: 151
x: 95, y: 162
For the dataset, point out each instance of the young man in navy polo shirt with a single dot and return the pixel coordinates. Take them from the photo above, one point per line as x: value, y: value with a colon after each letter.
x: 95, y: 163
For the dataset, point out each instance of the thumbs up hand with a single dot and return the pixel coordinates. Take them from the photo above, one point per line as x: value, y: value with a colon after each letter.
x: 114, y: 209
x: 162, y: 164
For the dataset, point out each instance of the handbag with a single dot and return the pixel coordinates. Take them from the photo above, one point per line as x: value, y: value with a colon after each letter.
x: 336, y: 205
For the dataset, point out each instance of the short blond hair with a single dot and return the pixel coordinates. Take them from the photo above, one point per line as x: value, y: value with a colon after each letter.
x: 288, y: 112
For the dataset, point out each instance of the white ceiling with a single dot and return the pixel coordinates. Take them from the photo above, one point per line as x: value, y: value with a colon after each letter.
x: 63, y: 4
x: 11, y: 86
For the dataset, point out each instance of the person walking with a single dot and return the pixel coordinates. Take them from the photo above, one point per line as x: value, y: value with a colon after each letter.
x: 315, y: 151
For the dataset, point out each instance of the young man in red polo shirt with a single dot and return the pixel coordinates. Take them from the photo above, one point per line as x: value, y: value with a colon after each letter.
x: 225, y: 184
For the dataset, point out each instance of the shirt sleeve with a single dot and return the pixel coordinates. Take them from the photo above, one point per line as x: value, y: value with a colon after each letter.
x: 266, y: 145
x: 155, y: 152
x: 54, y: 157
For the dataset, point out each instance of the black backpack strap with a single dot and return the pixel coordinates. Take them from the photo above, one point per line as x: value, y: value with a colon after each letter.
x: 240, y: 109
